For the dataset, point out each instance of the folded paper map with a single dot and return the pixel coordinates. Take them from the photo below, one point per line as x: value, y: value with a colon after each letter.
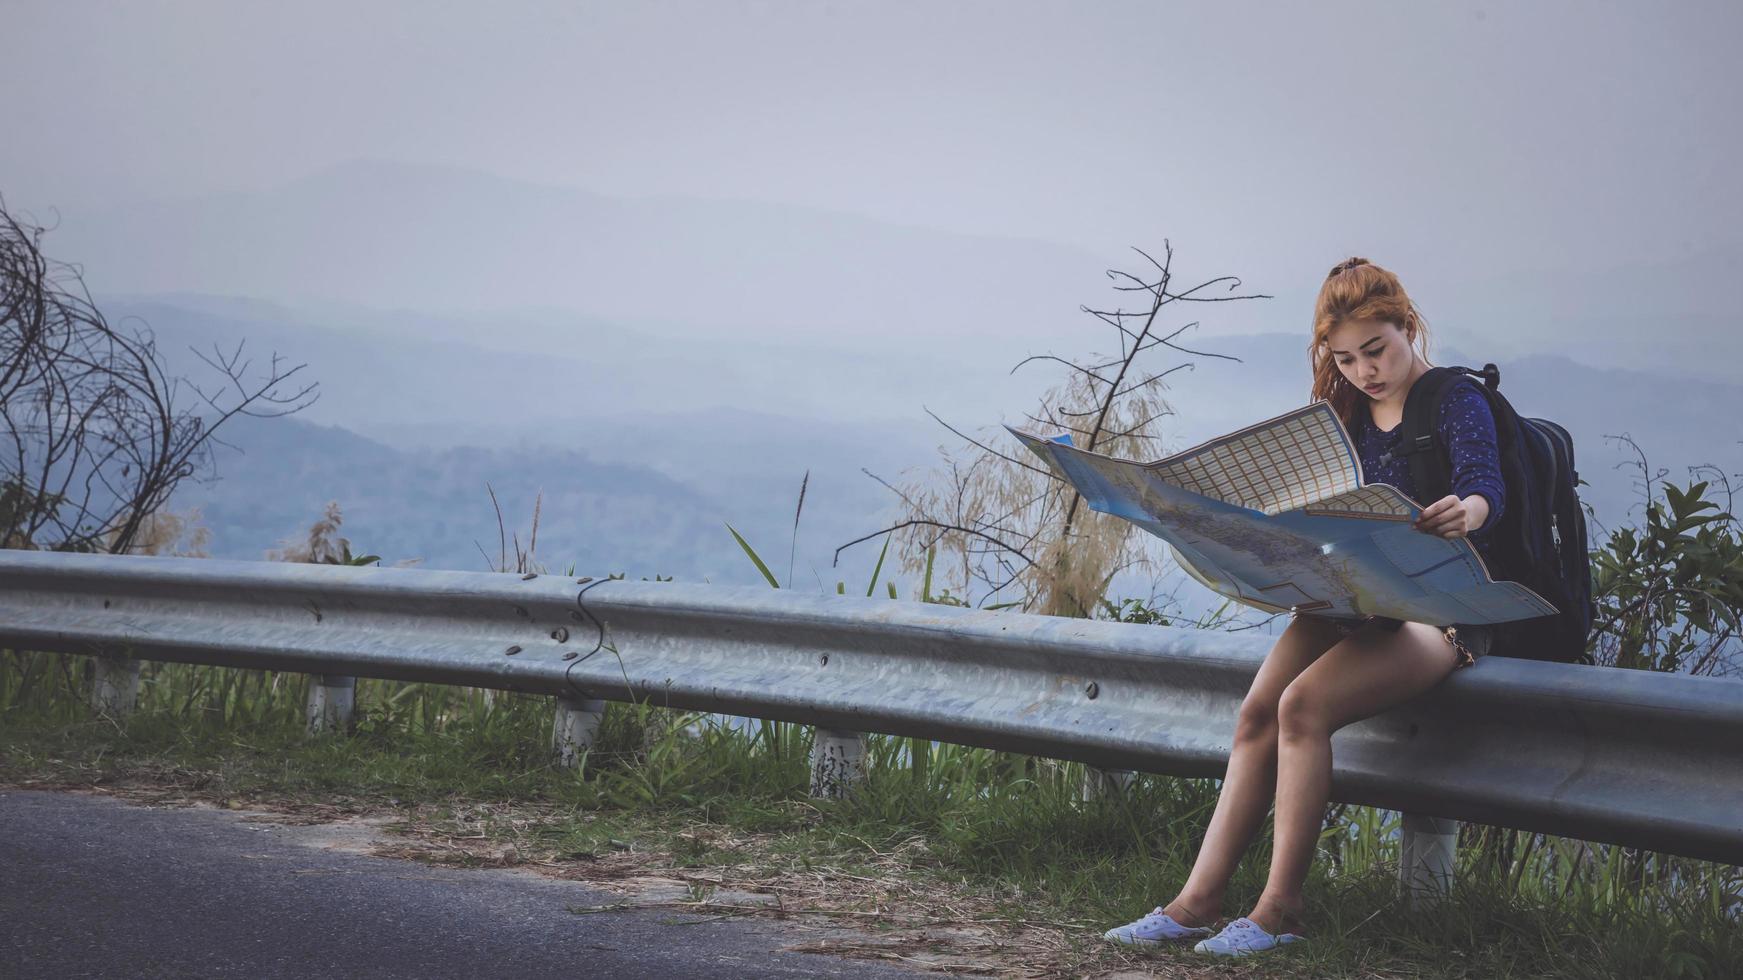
x: 1276, y: 516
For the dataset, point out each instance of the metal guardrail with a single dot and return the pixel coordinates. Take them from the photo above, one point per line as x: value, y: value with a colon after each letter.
x: 1642, y: 759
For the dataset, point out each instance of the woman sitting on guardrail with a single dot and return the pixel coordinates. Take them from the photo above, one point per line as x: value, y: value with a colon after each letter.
x: 1369, y: 347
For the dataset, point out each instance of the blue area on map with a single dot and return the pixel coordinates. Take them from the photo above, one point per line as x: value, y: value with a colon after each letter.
x: 1336, y: 564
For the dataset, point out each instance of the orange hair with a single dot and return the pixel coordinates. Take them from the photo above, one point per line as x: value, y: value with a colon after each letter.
x: 1356, y: 289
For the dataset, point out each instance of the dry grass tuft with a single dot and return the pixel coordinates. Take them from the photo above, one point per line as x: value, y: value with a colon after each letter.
x: 168, y: 533
x: 322, y: 545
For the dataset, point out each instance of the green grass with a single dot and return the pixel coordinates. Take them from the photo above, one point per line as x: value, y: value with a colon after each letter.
x: 1002, y: 824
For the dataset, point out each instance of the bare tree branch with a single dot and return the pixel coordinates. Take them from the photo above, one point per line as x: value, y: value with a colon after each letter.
x: 1012, y: 549
x: 1016, y: 531
x: 96, y: 438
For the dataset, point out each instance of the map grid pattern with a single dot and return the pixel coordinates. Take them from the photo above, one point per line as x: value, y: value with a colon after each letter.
x: 1277, y: 466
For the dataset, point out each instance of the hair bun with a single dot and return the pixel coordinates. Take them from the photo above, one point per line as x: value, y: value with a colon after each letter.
x: 1346, y: 265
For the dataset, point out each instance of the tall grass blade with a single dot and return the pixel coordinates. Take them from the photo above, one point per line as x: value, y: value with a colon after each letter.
x: 754, y: 557
x: 878, y: 568
x: 793, y: 547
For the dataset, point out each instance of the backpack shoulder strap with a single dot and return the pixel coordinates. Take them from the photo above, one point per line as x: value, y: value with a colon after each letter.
x: 1419, y: 443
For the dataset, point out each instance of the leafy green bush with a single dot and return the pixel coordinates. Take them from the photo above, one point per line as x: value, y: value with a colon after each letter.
x: 1668, y: 591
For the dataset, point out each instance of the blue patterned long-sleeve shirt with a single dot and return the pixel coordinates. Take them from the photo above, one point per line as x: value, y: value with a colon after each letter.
x: 1467, y: 430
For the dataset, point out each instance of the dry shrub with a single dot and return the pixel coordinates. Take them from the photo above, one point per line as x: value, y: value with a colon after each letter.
x: 168, y: 533
x: 99, y: 433
x: 321, y: 546
x: 1033, y: 541
x: 1012, y: 533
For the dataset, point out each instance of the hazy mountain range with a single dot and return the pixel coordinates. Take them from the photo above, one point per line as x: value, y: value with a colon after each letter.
x: 661, y: 366
x: 646, y: 491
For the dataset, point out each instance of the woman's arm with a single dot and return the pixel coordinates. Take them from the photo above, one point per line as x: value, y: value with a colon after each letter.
x: 1467, y: 429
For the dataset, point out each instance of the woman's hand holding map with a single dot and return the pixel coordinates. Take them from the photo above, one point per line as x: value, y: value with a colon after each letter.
x: 1451, y: 517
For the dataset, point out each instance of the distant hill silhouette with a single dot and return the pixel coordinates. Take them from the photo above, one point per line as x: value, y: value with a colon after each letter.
x: 435, y: 506
x: 650, y: 493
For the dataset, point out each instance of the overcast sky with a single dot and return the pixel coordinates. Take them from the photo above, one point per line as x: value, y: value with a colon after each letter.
x: 1473, y: 139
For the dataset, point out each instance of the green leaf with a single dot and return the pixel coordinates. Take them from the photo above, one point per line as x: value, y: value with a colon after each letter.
x: 878, y: 568
x: 1692, y: 520
x: 742, y: 543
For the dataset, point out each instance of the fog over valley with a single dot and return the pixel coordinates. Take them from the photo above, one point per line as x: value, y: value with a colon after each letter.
x: 659, y: 263
x: 643, y: 459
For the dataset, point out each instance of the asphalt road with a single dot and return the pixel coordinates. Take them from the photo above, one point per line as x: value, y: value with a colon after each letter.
x: 93, y: 887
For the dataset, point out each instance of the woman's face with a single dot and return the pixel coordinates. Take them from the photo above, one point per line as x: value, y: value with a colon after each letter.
x: 1374, y: 355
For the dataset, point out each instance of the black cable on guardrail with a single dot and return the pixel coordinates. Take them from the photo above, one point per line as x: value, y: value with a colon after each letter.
x: 586, y: 617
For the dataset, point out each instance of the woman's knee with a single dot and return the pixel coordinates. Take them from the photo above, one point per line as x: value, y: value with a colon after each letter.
x: 1257, y: 720
x: 1302, y: 643
x: 1301, y: 713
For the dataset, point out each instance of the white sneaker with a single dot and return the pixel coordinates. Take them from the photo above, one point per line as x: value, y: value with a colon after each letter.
x: 1242, y: 937
x: 1153, y: 929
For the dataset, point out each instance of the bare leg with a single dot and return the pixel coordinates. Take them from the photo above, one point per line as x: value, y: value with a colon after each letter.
x: 1251, y: 774
x: 1363, y: 675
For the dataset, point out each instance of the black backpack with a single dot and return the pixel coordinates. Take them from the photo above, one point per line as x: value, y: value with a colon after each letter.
x: 1540, y: 541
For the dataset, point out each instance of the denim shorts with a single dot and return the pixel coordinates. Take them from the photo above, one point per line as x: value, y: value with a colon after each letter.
x: 1471, y: 642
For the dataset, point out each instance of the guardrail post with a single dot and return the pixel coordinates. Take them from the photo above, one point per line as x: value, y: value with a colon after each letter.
x: 576, y: 724
x: 332, y: 699
x: 1102, y: 783
x: 837, y: 762
x: 1426, y: 850
x: 115, y: 685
